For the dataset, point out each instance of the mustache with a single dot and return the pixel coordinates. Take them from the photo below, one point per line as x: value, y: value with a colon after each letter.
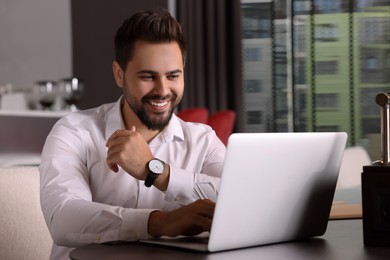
x: 171, y: 97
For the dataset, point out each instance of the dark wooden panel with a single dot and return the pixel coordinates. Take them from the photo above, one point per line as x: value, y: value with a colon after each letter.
x: 94, y: 24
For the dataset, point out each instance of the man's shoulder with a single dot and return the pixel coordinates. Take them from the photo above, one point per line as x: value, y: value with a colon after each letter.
x: 96, y: 114
x: 196, y: 126
x: 193, y: 128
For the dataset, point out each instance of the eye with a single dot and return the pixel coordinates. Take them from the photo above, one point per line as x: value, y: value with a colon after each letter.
x: 147, y: 77
x: 172, y: 76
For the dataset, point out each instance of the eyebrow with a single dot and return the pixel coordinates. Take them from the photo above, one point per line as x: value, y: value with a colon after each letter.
x: 156, y: 73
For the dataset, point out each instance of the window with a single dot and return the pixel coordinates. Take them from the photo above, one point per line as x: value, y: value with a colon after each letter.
x: 300, y: 71
x: 254, y: 117
x: 326, y: 67
x: 368, y: 107
x: 374, y: 65
x: 300, y: 37
x: 376, y: 30
x: 326, y: 33
x: 371, y: 3
x: 330, y: 6
x: 252, y: 86
x: 328, y: 128
x: 302, y: 7
x: 256, y: 21
x: 252, y: 54
x: 328, y: 61
x: 329, y: 100
x: 371, y: 126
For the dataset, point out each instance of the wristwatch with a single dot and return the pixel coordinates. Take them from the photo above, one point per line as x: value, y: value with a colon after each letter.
x: 155, y: 167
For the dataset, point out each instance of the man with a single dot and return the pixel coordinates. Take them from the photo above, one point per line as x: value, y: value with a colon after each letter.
x: 132, y: 169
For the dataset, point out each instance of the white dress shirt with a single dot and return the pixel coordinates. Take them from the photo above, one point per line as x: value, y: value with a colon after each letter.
x: 84, y: 202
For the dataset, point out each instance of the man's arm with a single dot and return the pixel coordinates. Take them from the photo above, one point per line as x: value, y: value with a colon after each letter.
x: 75, y: 219
x: 72, y: 216
x: 128, y: 149
x: 188, y: 220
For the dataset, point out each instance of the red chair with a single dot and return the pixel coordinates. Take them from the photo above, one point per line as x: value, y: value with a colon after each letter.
x: 223, y: 123
x: 196, y: 114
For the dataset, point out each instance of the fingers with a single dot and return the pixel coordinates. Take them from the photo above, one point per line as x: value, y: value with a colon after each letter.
x: 118, y: 135
x: 128, y: 150
x: 202, y: 219
x: 113, y: 167
x: 188, y: 220
x: 205, y: 207
x: 200, y: 224
x: 112, y: 143
x: 115, y: 143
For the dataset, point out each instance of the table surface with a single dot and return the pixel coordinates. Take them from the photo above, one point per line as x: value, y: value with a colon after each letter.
x: 342, y: 240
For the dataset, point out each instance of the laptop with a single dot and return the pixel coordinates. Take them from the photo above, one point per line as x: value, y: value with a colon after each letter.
x: 275, y: 187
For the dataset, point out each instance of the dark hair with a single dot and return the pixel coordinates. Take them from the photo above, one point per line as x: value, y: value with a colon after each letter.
x: 156, y: 26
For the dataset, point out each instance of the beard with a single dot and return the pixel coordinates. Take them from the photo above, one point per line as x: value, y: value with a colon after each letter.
x: 153, y: 121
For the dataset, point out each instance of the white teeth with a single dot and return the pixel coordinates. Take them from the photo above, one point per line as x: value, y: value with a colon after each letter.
x: 158, y: 104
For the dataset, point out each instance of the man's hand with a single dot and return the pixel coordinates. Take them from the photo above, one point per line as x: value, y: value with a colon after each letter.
x: 128, y: 149
x: 188, y: 220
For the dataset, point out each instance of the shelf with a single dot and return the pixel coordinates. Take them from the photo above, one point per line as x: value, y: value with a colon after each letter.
x: 34, y: 113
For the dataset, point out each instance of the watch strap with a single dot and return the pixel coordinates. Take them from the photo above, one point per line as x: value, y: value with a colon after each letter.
x: 150, y: 178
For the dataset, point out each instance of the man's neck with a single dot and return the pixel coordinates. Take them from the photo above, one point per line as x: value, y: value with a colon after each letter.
x: 131, y: 119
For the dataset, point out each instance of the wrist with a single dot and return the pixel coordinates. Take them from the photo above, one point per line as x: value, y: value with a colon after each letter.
x: 162, y: 181
x: 155, y: 167
x: 155, y: 223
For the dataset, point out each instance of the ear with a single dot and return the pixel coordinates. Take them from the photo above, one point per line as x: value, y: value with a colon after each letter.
x: 118, y: 73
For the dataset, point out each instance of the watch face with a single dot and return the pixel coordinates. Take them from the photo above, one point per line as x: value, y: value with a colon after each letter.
x: 156, y: 166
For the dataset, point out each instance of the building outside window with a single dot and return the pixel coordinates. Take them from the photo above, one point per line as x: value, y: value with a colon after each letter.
x: 252, y: 54
x: 326, y: 33
x: 327, y: 101
x: 328, y: 59
x: 326, y: 67
x: 252, y: 86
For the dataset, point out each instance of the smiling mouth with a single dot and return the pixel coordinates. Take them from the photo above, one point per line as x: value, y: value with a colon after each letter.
x: 158, y: 104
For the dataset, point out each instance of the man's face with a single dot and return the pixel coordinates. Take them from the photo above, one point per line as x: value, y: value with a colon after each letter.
x: 153, y: 82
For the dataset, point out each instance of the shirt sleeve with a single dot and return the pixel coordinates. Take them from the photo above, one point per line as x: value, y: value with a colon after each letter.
x: 200, y: 177
x: 185, y: 187
x: 72, y: 217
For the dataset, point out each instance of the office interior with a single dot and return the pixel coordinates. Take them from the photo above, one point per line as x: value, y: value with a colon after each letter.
x: 291, y: 66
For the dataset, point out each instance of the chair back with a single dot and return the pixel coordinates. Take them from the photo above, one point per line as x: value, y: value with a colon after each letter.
x: 223, y: 123
x: 354, y: 159
x: 196, y: 114
x: 23, y: 231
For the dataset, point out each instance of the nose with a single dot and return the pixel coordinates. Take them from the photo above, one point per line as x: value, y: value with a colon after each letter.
x: 162, y: 86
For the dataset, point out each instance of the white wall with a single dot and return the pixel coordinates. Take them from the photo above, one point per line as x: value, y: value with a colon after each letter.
x: 35, y: 41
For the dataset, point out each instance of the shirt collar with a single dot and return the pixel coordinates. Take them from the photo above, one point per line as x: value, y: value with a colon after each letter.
x: 115, y: 121
x: 172, y: 130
